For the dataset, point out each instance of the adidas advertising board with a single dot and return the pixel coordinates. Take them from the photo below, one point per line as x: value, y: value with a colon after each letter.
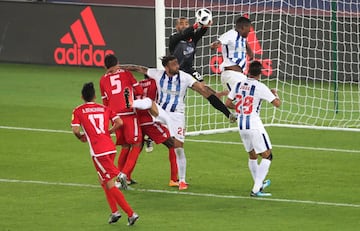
x: 83, y: 51
x: 65, y: 34
x: 79, y: 35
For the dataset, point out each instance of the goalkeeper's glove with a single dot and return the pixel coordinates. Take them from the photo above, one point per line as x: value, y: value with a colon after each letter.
x: 232, y: 117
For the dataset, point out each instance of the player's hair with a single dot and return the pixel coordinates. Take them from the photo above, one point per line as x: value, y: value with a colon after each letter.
x: 255, y: 68
x: 110, y: 61
x: 166, y: 59
x: 181, y: 18
x: 88, y: 92
x: 242, y: 21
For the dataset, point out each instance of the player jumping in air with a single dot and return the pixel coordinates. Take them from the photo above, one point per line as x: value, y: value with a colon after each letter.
x: 234, y: 50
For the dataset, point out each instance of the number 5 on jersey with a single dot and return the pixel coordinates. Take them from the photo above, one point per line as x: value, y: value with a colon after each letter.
x: 115, y: 82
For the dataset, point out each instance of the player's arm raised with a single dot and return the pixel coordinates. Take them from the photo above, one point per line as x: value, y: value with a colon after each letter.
x: 249, y: 52
x: 132, y: 67
x: 200, y: 32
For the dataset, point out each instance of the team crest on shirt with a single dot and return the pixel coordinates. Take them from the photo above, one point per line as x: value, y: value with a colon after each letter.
x: 188, y: 51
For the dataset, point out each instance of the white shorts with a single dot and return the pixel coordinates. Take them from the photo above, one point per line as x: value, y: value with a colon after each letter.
x: 177, y: 125
x: 256, y: 139
x: 164, y: 118
x: 230, y: 78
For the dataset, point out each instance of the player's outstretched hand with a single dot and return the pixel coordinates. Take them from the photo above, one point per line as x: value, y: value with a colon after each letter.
x: 232, y: 117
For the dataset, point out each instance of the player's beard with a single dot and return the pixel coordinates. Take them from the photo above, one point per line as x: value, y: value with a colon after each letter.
x: 174, y: 72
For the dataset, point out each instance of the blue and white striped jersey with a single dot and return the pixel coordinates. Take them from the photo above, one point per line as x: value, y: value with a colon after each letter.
x: 171, y: 90
x: 233, y: 49
x: 247, y: 96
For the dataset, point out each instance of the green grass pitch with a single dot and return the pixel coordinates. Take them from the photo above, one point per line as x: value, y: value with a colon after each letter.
x: 47, y: 181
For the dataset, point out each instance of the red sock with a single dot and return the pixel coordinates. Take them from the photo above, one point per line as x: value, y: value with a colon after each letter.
x: 122, y: 158
x: 131, y: 160
x: 173, y: 164
x: 120, y: 199
x: 110, y: 199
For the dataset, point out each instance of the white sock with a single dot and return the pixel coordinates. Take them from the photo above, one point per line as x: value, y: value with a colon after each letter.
x: 181, y: 163
x: 142, y: 104
x: 164, y: 118
x: 261, y: 173
x: 253, y: 166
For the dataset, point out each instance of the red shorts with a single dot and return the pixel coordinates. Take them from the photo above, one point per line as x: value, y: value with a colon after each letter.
x: 130, y: 131
x: 157, y: 132
x: 105, y: 167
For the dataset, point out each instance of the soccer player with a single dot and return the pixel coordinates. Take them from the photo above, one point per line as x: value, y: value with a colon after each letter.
x: 118, y: 88
x: 246, y: 97
x: 94, y: 120
x: 182, y: 44
x: 234, y: 50
x: 172, y: 85
x: 157, y: 131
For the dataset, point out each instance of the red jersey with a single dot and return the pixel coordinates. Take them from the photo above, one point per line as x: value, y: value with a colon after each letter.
x: 150, y: 90
x: 94, y: 120
x: 118, y: 90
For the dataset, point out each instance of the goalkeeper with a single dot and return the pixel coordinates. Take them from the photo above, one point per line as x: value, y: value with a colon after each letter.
x: 182, y: 44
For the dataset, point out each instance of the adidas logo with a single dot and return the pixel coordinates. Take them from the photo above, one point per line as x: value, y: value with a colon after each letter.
x: 85, y: 38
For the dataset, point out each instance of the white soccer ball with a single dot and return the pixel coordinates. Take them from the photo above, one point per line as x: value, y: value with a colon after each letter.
x: 203, y: 16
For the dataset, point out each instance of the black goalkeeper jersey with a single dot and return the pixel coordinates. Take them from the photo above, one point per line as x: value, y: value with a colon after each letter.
x: 183, y: 46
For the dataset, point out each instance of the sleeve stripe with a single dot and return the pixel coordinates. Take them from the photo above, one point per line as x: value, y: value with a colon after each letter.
x: 115, y: 117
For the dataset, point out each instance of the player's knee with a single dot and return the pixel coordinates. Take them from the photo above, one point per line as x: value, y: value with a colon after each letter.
x: 269, y: 157
x: 169, y: 143
x: 252, y: 155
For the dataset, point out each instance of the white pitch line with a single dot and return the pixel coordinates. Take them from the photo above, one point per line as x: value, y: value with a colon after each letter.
x: 280, y: 146
x: 187, y: 193
x: 34, y: 129
x: 195, y: 140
